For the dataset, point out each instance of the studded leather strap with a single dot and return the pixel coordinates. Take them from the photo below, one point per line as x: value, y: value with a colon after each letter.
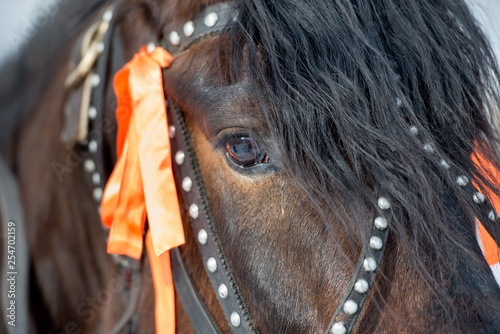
x: 86, y: 84
x: 85, y: 126
x: 365, y: 272
x: 189, y: 180
x: 208, y: 23
x: 201, y: 319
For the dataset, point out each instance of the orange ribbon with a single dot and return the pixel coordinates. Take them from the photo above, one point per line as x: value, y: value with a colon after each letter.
x: 142, y: 182
x: 490, y: 248
x: 164, y: 289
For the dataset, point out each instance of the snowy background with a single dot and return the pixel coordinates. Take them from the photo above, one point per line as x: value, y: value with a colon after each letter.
x: 20, y: 18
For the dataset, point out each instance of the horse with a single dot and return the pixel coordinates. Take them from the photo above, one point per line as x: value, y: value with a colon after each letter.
x: 316, y: 127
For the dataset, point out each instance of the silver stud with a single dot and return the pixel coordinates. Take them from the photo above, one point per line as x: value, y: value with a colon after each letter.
x: 212, y: 265
x: 380, y: 223
x: 211, y: 19
x: 384, y: 203
x: 95, y: 80
x: 194, y: 211
x: 187, y: 184
x: 93, y: 146
x: 399, y: 102
x: 492, y: 215
x: 92, y: 113
x: 478, y: 198
x: 107, y: 16
x: 97, y: 194
x: 350, y: 307
x: 188, y: 28
x: 235, y: 319
x: 361, y: 286
x: 429, y: 148
x: 369, y: 264
x: 443, y: 163
x: 414, y: 130
x: 151, y: 47
x: 89, y: 166
x: 99, y: 47
x: 223, y: 291
x: 174, y: 38
x: 96, y: 178
x: 376, y: 243
x: 462, y: 180
x: 339, y: 328
x: 171, y: 131
x: 180, y: 157
x: 203, y: 237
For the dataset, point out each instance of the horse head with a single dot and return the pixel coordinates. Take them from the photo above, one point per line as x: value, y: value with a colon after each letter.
x: 302, y: 119
x: 335, y: 145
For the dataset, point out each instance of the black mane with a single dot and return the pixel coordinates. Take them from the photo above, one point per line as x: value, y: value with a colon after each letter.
x: 328, y: 74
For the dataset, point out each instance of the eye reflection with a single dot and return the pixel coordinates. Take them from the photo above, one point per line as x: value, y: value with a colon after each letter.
x: 244, y: 152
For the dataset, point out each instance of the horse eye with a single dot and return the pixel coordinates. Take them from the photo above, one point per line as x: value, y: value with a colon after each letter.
x: 244, y: 151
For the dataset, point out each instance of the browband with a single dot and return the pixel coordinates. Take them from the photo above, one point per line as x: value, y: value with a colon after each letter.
x: 210, y: 22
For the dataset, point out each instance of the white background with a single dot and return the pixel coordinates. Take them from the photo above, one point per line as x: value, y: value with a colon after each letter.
x: 18, y: 18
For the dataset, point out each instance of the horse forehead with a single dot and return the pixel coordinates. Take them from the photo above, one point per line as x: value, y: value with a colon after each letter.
x: 199, y: 83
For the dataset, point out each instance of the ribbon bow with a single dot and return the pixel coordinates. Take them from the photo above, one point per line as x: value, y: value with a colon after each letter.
x: 142, y: 181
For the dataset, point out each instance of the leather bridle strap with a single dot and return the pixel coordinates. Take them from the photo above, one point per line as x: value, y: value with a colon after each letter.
x: 365, y: 271
x: 189, y: 181
x: 190, y: 184
x: 201, y: 319
x: 15, y: 254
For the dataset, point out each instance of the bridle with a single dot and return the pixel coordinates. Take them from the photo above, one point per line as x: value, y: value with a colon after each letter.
x: 84, y: 114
